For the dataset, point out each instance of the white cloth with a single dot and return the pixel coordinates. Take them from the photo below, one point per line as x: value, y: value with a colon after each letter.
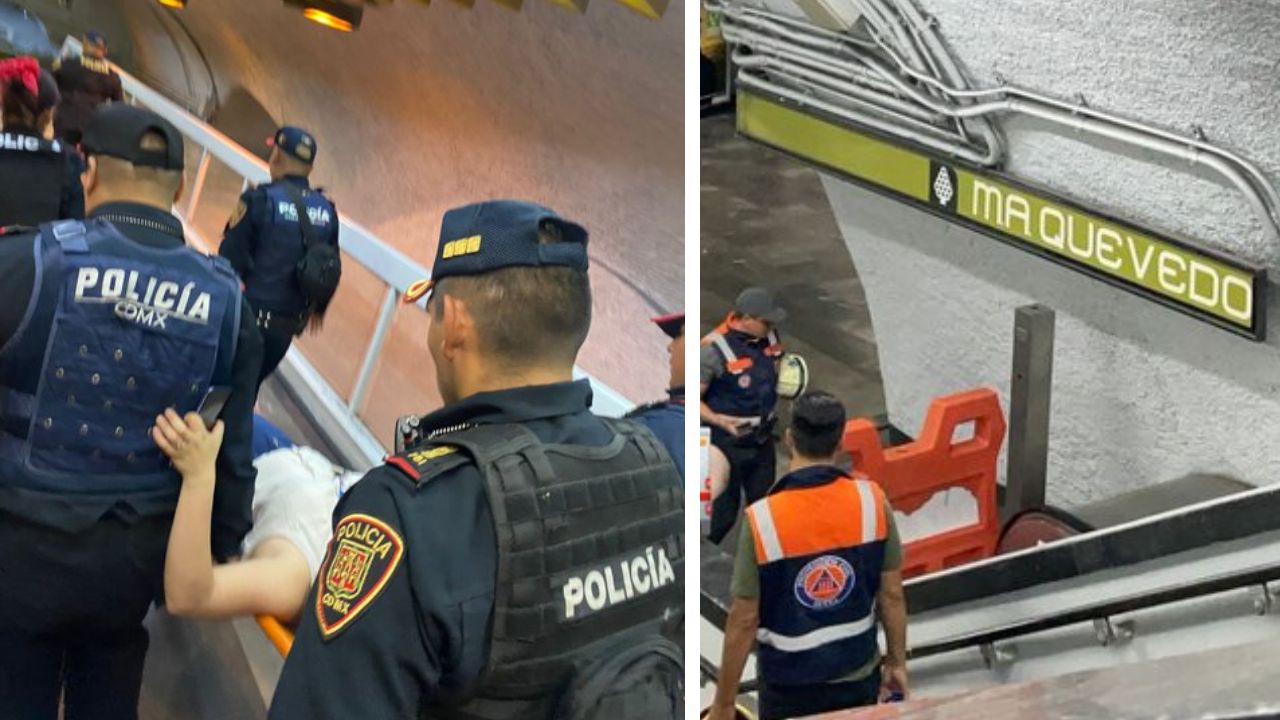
x: 294, y: 498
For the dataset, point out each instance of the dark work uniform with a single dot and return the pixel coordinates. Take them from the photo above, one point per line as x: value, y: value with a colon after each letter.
x: 39, y: 180
x: 85, y: 83
x: 666, y: 419
x: 86, y: 497
x: 264, y: 243
x: 398, y: 639
x: 749, y: 389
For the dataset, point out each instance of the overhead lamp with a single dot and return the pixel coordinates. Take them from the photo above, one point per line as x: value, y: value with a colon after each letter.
x: 330, y: 13
x: 179, y: 4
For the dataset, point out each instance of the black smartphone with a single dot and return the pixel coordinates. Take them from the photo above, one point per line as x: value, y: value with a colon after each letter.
x: 211, y: 407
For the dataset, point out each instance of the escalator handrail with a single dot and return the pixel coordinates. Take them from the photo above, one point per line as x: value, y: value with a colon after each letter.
x: 1100, y: 610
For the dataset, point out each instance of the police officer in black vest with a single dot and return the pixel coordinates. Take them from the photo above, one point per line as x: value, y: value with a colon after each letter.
x: 739, y: 374
x: 523, y: 558
x: 266, y: 238
x: 39, y: 178
x: 666, y: 417
x: 86, y: 82
x: 104, y: 323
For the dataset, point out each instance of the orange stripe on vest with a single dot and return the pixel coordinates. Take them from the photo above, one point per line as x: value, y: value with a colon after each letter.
x: 817, y: 519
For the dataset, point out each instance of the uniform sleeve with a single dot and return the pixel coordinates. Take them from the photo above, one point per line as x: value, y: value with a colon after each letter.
x: 18, y: 268
x: 117, y: 88
x: 72, y: 204
x: 241, y: 229
x: 892, y: 542
x: 233, y: 493
x: 712, y: 364
x: 358, y: 651
x: 746, y: 573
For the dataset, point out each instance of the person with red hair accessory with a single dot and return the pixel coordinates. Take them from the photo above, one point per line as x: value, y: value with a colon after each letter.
x: 39, y: 176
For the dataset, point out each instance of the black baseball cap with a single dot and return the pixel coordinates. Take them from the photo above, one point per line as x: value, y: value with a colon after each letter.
x: 760, y: 303
x: 480, y: 238
x: 672, y: 324
x: 117, y: 130
x: 295, y: 142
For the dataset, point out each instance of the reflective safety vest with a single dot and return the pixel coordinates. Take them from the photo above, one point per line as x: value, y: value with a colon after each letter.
x: 819, y: 542
x: 749, y: 385
x: 115, y: 332
x: 273, y: 285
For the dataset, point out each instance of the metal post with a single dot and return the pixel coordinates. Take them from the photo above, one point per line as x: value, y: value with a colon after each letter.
x: 1029, y: 392
x: 197, y: 187
x: 380, y: 331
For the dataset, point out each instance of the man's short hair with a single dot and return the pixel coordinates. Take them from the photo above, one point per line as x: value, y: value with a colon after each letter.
x: 525, y: 313
x: 817, y: 423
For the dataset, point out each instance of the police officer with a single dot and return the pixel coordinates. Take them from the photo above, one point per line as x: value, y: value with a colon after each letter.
x: 86, y: 82
x: 817, y: 562
x: 39, y: 179
x: 523, y: 558
x: 105, y: 323
x: 739, y: 377
x: 265, y: 239
x: 666, y: 417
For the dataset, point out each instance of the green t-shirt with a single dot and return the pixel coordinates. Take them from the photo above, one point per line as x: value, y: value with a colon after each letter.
x: 746, y: 574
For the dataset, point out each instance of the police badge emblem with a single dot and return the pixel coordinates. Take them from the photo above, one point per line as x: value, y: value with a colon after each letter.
x: 744, y: 381
x: 362, y: 556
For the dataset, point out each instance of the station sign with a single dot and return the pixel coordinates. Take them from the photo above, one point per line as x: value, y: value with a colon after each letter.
x: 1204, y: 283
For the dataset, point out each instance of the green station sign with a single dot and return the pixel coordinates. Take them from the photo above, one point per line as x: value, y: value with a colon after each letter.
x: 1206, y: 284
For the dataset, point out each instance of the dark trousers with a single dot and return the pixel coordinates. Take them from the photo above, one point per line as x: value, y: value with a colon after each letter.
x: 72, y: 623
x: 752, y: 470
x: 275, y: 344
x: 778, y: 702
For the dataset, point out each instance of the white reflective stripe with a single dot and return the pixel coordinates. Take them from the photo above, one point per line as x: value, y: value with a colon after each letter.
x: 766, y: 533
x: 868, y: 500
x: 773, y: 338
x: 723, y: 346
x: 817, y: 638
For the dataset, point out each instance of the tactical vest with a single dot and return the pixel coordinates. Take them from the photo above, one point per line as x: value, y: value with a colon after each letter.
x: 277, y: 250
x: 114, y: 332
x: 749, y: 385
x: 32, y: 173
x: 820, y: 550
x: 590, y: 561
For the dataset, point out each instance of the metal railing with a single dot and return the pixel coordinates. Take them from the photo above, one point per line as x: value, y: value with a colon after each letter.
x: 336, y: 417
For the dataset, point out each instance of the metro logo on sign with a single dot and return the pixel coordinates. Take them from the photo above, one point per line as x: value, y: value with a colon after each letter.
x: 1206, y: 284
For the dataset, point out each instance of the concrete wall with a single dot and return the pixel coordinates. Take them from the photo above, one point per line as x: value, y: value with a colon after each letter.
x: 1142, y: 394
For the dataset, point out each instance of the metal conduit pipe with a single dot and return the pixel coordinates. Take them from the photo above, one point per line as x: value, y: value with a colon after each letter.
x: 1091, y: 123
x: 889, y: 16
x: 819, y: 72
x: 1263, y: 184
x: 867, y: 79
x: 749, y: 79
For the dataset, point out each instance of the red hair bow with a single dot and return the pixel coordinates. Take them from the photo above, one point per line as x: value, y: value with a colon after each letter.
x: 24, y: 69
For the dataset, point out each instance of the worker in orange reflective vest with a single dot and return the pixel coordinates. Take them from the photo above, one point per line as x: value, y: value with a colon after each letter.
x: 817, y: 564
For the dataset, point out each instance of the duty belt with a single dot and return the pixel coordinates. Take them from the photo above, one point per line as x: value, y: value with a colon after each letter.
x: 758, y: 427
x: 293, y: 323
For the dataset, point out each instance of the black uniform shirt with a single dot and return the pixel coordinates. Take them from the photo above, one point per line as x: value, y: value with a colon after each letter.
x: 85, y: 83
x: 240, y: 238
x: 233, y: 494
x: 420, y: 631
x: 37, y: 186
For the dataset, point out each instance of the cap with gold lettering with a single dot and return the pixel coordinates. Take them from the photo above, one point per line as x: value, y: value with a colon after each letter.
x: 480, y: 238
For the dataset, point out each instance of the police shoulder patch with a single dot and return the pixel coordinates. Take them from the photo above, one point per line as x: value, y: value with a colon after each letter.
x: 362, y: 557
x: 424, y: 463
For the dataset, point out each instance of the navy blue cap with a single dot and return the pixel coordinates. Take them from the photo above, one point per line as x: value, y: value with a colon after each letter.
x: 480, y: 238
x: 117, y: 129
x: 295, y: 142
x: 95, y: 37
x: 672, y: 325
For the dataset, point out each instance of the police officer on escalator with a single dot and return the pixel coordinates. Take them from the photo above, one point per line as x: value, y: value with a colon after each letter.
x: 666, y: 417
x: 283, y: 240
x: 103, y: 324
x: 739, y: 374
x: 86, y: 83
x: 39, y: 177
x: 523, y: 557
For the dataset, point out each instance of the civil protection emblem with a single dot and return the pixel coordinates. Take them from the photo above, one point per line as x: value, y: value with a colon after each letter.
x: 824, y: 583
x: 362, y: 556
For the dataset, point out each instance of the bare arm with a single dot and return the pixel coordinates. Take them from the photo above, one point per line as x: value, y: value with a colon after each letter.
x: 891, y: 604
x: 739, y: 639
x: 274, y: 581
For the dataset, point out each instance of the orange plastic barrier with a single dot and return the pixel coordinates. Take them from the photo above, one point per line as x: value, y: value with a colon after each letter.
x: 278, y: 634
x: 910, y: 474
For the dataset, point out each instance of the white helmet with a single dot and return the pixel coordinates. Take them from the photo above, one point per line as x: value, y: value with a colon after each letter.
x: 793, y: 376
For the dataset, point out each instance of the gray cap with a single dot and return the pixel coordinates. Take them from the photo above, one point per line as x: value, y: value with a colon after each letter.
x: 760, y: 303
